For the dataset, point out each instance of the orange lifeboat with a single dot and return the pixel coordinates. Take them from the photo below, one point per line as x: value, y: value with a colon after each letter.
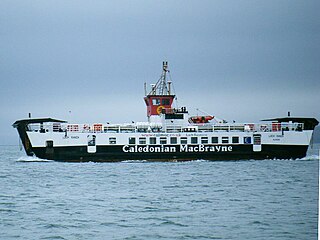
x: 200, y: 119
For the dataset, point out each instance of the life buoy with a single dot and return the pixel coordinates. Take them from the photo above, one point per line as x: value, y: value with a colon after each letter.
x: 159, y: 109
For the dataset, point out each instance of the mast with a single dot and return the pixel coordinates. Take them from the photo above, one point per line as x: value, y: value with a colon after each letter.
x: 162, y: 87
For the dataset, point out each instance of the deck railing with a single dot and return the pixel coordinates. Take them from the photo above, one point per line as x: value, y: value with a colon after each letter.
x: 132, y: 128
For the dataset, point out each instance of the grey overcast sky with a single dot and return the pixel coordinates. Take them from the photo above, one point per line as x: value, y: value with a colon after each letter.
x: 87, y: 61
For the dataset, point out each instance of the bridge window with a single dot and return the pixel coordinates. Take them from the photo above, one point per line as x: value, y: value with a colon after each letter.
x: 165, y: 101
x: 155, y: 101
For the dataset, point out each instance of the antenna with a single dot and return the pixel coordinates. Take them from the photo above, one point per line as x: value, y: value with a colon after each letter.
x: 145, y: 88
x: 153, y: 88
x: 169, y: 87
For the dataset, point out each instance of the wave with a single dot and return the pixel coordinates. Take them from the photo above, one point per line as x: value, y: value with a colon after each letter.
x: 32, y: 159
x: 311, y: 157
x: 134, y: 161
x: 169, y: 160
x: 36, y: 159
x: 198, y: 160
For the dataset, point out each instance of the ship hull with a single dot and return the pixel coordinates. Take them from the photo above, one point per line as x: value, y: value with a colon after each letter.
x: 170, y: 153
x: 42, y: 139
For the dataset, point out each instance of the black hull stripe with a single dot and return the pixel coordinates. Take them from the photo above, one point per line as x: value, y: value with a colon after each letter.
x: 115, y: 153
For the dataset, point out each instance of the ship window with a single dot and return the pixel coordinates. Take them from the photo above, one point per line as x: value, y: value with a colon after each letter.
x: 132, y: 140
x: 257, y: 139
x: 194, y: 140
x: 235, y: 139
x: 163, y: 140
x: 142, y: 140
x: 174, y: 116
x: 225, y: 139
x: 156, y: 101
x: 91, y: 140
x: 153, y: 140
x: 247, y: 140
x: 173, y: 140
x: 204, y: 140
x: 49, y: 144
x: 183, y: 140
x: 112, y: 140
x: 214, y: 139
x: 165, y: 101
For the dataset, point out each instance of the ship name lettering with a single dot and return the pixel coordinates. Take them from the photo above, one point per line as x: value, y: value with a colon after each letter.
x: 147, y: 149
x: 203, y: 148
x: 183, y: 148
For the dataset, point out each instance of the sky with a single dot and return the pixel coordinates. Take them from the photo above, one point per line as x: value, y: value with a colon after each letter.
x: 87, y: 61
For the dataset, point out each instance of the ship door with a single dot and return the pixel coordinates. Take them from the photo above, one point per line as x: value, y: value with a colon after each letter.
x: 257, y: 142
x: 91, y: 148
x: 49, y: 149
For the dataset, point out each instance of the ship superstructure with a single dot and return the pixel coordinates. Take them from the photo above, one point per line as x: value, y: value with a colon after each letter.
x: 160, y: 97
x: 170, y: 134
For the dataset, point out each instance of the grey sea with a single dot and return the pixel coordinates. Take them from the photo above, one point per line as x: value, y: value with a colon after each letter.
x: 266, y: 199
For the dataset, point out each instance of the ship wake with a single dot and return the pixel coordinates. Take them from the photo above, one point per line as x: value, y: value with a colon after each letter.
x: 32, y: 159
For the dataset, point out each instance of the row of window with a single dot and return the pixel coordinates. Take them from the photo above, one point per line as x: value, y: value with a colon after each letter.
x: 158, y: 101
x: 183, y: 140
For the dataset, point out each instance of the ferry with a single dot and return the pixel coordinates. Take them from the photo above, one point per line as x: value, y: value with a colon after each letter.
x: 168, y: 134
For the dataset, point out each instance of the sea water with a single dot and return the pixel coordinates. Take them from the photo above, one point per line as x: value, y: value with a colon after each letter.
x: 251, y: 199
